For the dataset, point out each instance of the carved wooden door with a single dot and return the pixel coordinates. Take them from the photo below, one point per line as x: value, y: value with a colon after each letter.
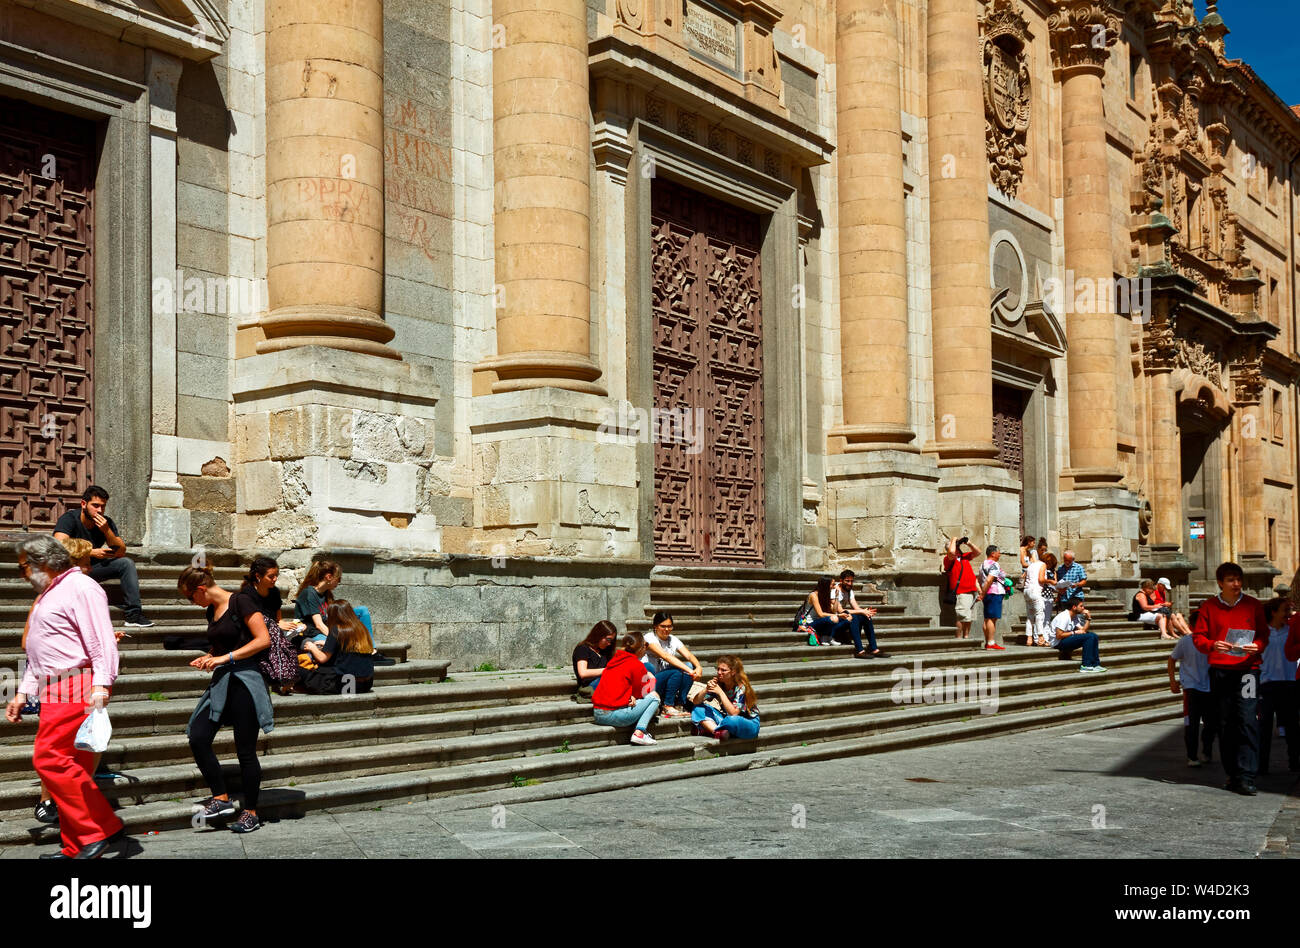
x: 707, y: 420
x: 47, y: 181
x: 1009, y: 436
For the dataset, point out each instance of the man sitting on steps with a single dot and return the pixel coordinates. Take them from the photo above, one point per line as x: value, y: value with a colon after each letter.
x: 1069, y: 630
x: 108, y: 550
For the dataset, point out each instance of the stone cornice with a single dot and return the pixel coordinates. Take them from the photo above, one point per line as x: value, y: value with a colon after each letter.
x: 190, y: 29
x: 1083, y: 32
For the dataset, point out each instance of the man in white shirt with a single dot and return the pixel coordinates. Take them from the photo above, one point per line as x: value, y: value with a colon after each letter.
x: 1198, y: 707
x: 1069, y: 630
x: 842, y: 592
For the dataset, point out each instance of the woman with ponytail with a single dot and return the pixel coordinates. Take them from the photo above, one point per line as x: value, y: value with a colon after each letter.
x: 237, y: 695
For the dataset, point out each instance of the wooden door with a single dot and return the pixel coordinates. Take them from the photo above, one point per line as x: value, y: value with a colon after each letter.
x: 47, y: 180
x: 707, y: 419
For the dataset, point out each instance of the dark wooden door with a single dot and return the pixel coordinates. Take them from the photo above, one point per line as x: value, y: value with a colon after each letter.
x: 1009, y: 436
x: 47, y: 181
x: 708, y: 379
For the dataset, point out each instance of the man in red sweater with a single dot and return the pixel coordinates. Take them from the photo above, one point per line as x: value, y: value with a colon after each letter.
x: 1232, y: 631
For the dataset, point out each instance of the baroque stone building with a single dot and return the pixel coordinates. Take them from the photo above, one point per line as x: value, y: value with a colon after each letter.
x: 504, y: 303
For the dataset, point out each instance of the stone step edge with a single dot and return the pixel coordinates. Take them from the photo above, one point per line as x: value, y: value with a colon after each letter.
x: 290, y: 763
x: 15, y: 759
x: 352, y: 793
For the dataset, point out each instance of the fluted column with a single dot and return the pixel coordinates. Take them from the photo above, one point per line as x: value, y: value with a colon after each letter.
x: 325, y: 176
x: 872, y: 227
x: 959, y: 237
x: 1164, y: 461
x: 541, y: 155
x: 1083, y: 32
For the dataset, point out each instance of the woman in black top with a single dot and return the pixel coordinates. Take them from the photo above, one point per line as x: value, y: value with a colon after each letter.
x: 593, y: 653
x: 345, y: 658
x: 237, y: 695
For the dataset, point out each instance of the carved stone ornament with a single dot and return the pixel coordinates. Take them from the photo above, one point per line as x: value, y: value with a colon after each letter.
x: 631, y: 13
x: 1160, y: 346
x: 1248, y: 376
x: 1006, y: 92
x: 1195, y: 357
x: 1083, y: 31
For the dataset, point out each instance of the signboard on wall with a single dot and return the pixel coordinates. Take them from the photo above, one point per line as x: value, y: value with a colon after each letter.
x: 712, y: 35
x: 1196, y: 528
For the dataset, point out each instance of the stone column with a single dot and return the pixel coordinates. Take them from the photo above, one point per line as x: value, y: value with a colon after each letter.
x: 1082, y: 34
x: 1164, y: 460
x: 872, y: 227
x: 168, y: 523
x: 325, y: 176
x: 541, y: 141
x: 959, y: 238
x: 1099, y: 518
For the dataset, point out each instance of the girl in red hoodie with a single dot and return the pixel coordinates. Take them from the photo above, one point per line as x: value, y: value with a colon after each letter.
x: 626, y: 693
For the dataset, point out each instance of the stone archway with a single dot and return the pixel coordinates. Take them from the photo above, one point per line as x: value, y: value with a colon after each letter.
x: 1202, y: 414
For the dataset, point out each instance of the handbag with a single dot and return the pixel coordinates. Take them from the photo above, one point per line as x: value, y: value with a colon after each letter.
x: 696, y: 692
x: 803, y: 620
x: 95, y: 732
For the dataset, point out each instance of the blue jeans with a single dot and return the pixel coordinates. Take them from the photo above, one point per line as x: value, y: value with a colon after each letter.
x: 1091, y: 651
x: 826, y: 628
x: 860, y: 622
x: 672, y: 685
x: 743, y: 728
x: 639, y: 715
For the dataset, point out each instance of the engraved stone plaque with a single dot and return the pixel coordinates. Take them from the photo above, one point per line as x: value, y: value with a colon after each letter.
x: 712, y: 35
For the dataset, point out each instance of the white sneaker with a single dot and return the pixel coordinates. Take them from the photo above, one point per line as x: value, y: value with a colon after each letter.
x: 643, y: 739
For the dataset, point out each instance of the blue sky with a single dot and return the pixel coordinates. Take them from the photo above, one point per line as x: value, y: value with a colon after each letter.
x: 1266, y: 34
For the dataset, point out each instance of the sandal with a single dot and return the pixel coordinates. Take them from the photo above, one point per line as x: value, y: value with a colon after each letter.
x: 721, y: 733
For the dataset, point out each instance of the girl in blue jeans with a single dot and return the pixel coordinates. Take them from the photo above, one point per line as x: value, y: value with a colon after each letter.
x: 625, y: 695
x: 738, y: 716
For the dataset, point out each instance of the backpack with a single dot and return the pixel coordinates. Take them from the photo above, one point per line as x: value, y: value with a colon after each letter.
x: 949, y: 594
x: 803, y: 621
x: 279, y: 662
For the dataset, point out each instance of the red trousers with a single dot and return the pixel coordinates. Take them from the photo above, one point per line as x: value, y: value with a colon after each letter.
x: 85, y: 816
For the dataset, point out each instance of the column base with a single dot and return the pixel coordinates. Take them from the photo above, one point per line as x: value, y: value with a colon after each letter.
x: 335, y: 327
x: 980, y: 501
x: 335, y: 448
x: 1101, y: 526
x: 554, y: 476
x: 524, y: 371
x: 855, y: 438
x: 1259, y: 574
x: 881, y: 505
x: 963, y: 453
x: 1089, y: 478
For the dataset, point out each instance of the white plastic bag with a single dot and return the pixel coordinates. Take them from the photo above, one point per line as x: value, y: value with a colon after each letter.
x: 95, y: 731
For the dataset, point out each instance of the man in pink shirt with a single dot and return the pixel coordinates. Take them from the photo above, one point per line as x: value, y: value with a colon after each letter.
x: 72, y: 664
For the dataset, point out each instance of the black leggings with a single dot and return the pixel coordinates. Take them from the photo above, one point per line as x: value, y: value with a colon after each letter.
x: 240, y: 714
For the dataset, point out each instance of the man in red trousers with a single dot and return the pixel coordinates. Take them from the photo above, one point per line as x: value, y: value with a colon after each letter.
x: 72, y: 664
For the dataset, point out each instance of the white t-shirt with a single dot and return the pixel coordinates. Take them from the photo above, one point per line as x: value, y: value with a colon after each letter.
x: 672, y: 647
x: 837, y: 595
x: 1064, y: 625
x: 1275, y: 666
x: 1193, y: 666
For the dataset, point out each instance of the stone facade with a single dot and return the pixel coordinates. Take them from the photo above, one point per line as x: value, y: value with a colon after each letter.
x: 1026, y: 266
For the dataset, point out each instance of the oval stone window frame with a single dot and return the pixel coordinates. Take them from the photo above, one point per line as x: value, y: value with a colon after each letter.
x: 1010, y: 315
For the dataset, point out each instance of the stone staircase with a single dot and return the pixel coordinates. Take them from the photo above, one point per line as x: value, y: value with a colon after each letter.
x: 422, y: 734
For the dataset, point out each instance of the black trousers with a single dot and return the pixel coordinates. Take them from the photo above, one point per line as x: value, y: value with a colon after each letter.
x: 1236, y: 697
x: 123, y: 570
x: 1202, y: 722
x: 240, y: 715
x: 1278, y: 699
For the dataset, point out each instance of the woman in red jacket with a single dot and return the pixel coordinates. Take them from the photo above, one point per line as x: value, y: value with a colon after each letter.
x: 626, y: 692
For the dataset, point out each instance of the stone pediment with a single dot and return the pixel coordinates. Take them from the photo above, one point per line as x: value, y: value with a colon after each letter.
x: 190, y: 29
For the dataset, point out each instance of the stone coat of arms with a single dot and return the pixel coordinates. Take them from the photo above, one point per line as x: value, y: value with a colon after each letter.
x: 1006, y: 92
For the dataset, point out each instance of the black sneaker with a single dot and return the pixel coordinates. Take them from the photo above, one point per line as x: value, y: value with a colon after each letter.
x: 47, y: 811
x: 216, y: 810
x: 138, y: 621
x: 379, y: 658
x: 247, y: 823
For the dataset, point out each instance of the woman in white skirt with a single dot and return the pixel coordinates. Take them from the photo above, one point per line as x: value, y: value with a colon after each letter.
x: 1035, y: 604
